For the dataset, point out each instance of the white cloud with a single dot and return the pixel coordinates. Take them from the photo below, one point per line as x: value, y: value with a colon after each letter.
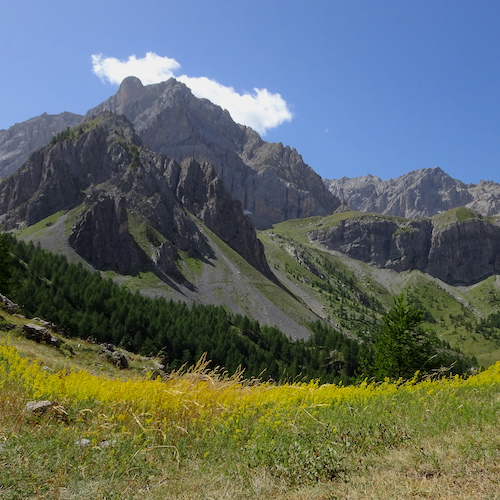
x: 150, y: 69
x: 260, y: 110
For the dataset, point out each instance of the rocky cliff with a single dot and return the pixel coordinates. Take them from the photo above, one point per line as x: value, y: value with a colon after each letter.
x: 420, y: 193
x: 272, y: 181
x: 20, y: 140
x: 102, y: 167
x: 459, y: 247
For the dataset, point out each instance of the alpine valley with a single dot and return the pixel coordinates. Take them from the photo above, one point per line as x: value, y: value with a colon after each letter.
x: 165, y: 194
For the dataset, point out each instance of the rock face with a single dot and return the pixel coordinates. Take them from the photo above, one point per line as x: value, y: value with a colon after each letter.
x: 102, y: 236
x: 20, y: 140
x: 55, y: 177
x: 102, y: 167
x: 420, y: 193
x: 458, y: 250
x: 272, y: 181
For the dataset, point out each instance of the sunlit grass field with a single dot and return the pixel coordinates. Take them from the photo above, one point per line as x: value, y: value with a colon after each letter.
x: 202, y: 434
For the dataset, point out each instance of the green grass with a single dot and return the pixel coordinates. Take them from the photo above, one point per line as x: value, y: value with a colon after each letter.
x: 190, y: 267
x: 455, y: 317
x: 459, y: 214
x: 40, y: 227
x: 486, y: 295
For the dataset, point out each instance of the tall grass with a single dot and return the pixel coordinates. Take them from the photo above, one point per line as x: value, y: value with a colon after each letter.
x: 203, y: 434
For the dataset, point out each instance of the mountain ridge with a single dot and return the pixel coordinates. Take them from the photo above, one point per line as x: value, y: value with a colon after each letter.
x: 419, y: 193
x: 20, y: 140
x: 460, y: 247
x: 271, y: 180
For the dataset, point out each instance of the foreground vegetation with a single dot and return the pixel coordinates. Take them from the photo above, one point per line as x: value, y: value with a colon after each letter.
x: 201, y: 434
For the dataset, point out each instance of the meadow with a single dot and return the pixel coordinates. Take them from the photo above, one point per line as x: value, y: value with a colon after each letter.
x: 202, y: 434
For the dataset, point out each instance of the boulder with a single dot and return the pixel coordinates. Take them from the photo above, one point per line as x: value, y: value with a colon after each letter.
x: 8, y: 305
x: 41, y: 335
x: 37, y: 409
x: 113, y: 356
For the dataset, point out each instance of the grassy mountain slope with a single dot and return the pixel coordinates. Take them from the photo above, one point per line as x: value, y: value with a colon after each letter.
x: 316, y: 283
x: 349, y: 293
x: 226, y: 280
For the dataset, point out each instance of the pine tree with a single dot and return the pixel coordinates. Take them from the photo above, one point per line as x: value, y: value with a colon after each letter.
x: 402, y: 347
x: 5, y: 265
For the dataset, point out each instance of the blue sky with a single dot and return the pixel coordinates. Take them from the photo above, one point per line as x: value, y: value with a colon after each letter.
x: 357, y: 87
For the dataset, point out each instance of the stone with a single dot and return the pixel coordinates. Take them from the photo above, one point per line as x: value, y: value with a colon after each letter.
x: 39, y: 407
x: 83, y: 442
x: 44, y: 408
x: 113, y: 356
x: 8, y: 305
x: 40, y: 335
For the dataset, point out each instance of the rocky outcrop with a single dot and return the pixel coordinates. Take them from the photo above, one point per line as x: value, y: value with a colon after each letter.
x: 114, y: 357
x: 102, y: 167
x: 8, y: 305
x: 20, y: 140
x: 55, y: 178
x: 465, y: 252
x: 272, y: 181
x: 40, y: 335
x: 102, y: 237
x: 204, y: 195
x: 458, y: 250
x: 420, y: 193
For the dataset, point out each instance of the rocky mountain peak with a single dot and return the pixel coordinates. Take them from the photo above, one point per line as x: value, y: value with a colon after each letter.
x: 419, y: 193
x: 130, y: 89
x: 17, y: 142
x: 272, y: 181
x: 101, y: 166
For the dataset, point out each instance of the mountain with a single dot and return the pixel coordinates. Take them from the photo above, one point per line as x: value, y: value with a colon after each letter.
x: 271, y: 180
x: 420, y: 193
x: 460, y: 247
x: 154, y: 188
x: 20, y: 140
x: 102, y: 166
x: 96, y: 194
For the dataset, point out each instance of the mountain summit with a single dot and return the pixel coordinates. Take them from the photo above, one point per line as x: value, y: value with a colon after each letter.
x: 271, y: 180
